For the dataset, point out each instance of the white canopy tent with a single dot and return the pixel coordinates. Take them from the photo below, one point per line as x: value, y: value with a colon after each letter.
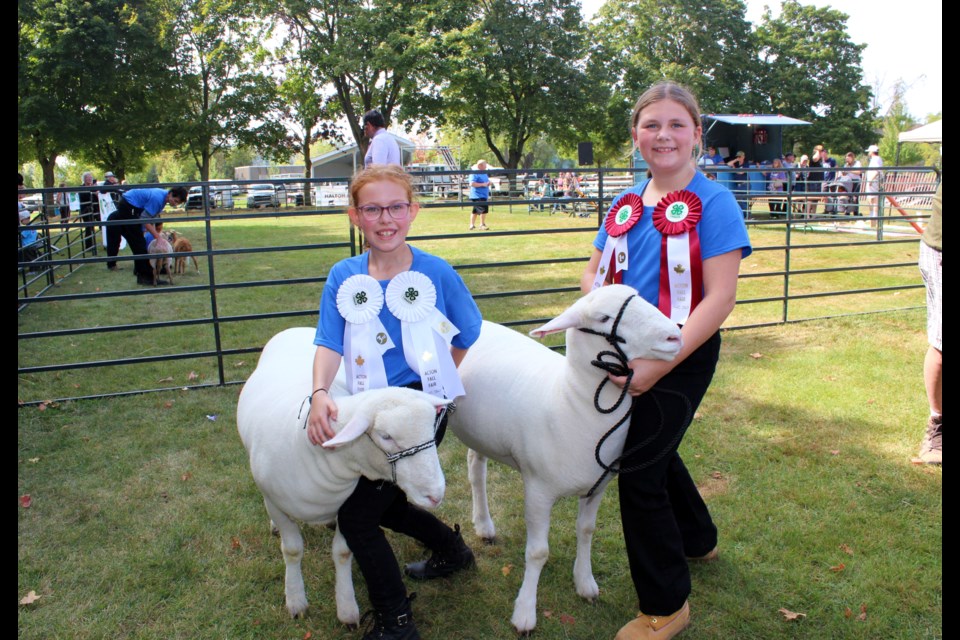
x: 930, y: 133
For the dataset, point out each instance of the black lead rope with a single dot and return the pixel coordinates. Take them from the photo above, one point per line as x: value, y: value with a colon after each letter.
x: 619, y: 366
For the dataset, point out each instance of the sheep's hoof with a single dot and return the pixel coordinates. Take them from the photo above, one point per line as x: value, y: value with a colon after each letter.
x: 524, y: 634
x: 490, y: 541
x: 297, y: 611
x: 352, y: 626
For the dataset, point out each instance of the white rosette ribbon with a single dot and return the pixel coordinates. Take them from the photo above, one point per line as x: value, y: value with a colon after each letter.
x: 412, y: 298
x: 365, y: 339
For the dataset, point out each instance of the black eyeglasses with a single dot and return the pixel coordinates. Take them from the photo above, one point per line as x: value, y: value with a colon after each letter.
x: 397, y: 211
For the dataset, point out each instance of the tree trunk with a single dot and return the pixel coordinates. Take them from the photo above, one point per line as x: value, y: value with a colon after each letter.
x: 307, y: 167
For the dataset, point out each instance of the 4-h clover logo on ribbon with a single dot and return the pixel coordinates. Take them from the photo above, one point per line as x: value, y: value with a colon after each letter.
x: 359, y: 298
x: 411, y: 295
x: 677, y: 211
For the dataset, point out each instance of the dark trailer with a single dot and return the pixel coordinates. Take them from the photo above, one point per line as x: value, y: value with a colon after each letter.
x: 760, y: 136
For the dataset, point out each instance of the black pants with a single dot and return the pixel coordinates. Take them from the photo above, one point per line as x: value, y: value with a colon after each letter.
x: 378, y: 503
x: 87, y: 214
x: 664, y: 518
x: 133, y: 232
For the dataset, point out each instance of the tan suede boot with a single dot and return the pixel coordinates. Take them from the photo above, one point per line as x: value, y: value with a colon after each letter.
x: 931, y: 449
x: 645, y: 627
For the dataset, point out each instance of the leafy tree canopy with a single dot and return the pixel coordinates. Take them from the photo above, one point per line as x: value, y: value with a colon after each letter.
x: 516, y: 72
x: 811, y: 70
x: 223, y: 92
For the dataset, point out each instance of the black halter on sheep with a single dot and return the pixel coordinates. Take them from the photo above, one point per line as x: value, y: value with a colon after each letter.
x: 545, y: 411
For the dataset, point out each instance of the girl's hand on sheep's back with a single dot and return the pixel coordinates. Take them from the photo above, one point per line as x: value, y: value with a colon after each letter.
x: 646, y: 373
x: 322, y: 410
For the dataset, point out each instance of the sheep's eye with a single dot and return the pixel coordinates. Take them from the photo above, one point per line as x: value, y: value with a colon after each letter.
x: 386, y: 436
x: 604, y: 318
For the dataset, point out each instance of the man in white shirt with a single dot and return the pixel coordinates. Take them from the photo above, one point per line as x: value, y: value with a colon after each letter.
x: 872, y: 179
x: 383, y: 149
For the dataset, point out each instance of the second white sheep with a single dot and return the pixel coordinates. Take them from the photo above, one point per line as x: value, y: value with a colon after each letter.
x: 533, y: 409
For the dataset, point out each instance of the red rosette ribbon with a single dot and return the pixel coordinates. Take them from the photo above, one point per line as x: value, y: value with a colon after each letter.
x: 681, y: 267
x: 624, y: 215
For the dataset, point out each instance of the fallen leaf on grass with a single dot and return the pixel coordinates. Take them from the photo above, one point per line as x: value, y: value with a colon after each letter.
x: 871, y: 401
x: 33, y: 459
x: 838, y: 568
x: 30, y: 598
x: 863, y: 613
x: 506, y: 569
x: 42, y: 406
x: 186, y: 476
x: 567, y: 619
x: 168, y: 404
x: 756, y: 355
x: 791, y: 615
x: 234, y: 542
x: 192, y: 375
x: 716, y: 475
x: 308, y: 635
x: 167, y: 379
x: 847, y: 612
x: 239, y: 364
x: 76, y: 386
x: 846, y: 549
x: 834, y: 452
x: 26, y: 501
x: 830, y: 378
x: 547, y: 613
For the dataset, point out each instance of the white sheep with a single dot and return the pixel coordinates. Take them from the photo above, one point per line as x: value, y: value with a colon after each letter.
x: 533, y: 409
x: 161, y: 245
x: 301, y: 482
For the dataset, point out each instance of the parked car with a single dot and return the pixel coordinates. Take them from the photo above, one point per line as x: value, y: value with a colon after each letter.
x: 195, y: 199
x: 262, y: 195
x: 33, y: 202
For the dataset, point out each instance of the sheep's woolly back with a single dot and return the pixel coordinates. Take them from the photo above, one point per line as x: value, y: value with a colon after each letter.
x: 533, y: 409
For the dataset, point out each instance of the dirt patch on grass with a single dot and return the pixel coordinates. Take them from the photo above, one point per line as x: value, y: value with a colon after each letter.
x: 715, y: 484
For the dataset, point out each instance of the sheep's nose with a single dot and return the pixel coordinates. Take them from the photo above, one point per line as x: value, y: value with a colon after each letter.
x: 434, y: 501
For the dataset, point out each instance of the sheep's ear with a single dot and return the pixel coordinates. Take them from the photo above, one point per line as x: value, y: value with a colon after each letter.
x: 569, y: 318
x: 357, y: 426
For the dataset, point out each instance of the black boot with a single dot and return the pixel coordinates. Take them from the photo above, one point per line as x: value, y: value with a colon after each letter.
x: 396, y: 624
x: 457, y: 555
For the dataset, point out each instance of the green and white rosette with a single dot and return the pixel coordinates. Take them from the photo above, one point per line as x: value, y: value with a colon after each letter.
x: 412, y: 298
x: 365, y: 339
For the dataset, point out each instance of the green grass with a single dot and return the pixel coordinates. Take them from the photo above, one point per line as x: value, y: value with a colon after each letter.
x: 237, y: 232
x: 145, y: 522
